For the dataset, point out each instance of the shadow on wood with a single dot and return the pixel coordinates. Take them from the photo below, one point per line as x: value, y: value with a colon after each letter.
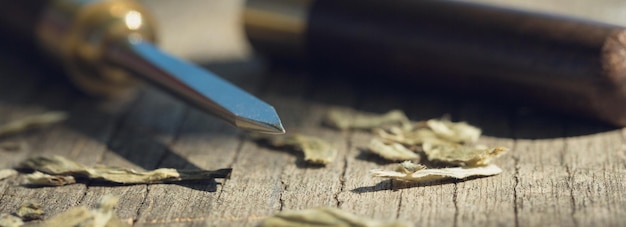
x: 434, y: 103
x: 395, y: 185
x: 24, y: 86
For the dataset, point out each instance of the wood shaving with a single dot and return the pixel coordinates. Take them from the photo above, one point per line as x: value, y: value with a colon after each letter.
x: 57, y: 165
x: 411, y: 172
x: 41, y: 179
x: 30, y: 211
x: 31, y: 122
x: 459, y: 132
x: 102, y: 216
x: 12, y: 146
x: 463, y: 155
x: 6, y: 173
x: 392, y: 151
x: 325, y: 217
x: 408, y: 136
x: 344, y: 119
x: 316, y: 150
x: 9, y: 220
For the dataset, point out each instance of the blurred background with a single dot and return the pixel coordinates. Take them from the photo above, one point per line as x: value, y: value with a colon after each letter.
x: 207, y: 31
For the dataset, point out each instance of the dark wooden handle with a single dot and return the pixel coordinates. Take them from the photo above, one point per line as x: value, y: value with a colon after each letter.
x: 18, y: 19
x: 558, y: 62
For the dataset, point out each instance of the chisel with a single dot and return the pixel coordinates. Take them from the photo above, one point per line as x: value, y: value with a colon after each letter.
x: 104, y: 45
x: 559, y: 62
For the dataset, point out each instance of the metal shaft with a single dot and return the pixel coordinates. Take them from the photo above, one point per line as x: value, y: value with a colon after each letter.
x: 195, y: 85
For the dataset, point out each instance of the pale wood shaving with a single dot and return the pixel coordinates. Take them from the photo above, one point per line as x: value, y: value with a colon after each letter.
x: 30, y: 211
x: 325, y: 217
x: 463, y: 155
x: 9, y: 220
x: 316, y: 150
x: 6, y: 173
x: 13, y: 146
x: 102, y: 216
x: 459, y: 132
x: 57, y: 165
x: 344, y: 119
x: 30, y: 122
x: 41, y: 179
x: 428, y: 175
x: 392, y: 151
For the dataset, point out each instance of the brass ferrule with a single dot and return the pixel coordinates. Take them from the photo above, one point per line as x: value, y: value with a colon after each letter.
x: 78, y: 32
x: 277, y: 26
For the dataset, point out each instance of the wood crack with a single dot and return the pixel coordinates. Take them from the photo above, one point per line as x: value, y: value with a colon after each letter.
x: 143, y: 202
x: 456, y: 204
x: 342, y: 177
x: 570, y: 180
x: 399, y: 205
x: 515, y: 190
x: 82, y: 198
x: 242, y: 140
x: 570, y: 185
x: 281, y: 200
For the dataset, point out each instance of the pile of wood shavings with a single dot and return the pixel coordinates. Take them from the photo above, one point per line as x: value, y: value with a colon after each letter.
x: 451, y: 145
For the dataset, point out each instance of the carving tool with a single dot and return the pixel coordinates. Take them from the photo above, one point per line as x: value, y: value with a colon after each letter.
x: 558, y: 62
x: 105, y: 44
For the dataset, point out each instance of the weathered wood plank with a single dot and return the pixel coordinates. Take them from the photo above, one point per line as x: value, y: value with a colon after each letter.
x: 429, y: 204
x: 489, y: 201
x: 309, y: 186
x: 364, y: 195
x: 256, y: 186
x: 202, y: 142
x: 56, y: 140
x: 140, y: 141
x: 595, y: 164
x: 543, y: 196
x: 553, y: 176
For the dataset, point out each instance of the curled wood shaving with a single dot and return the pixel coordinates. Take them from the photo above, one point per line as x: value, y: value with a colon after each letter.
x: 344, y: 119
x: 463, y: 155
x: 41, y: 179
x: 13, y: 146
x: 102, y: 216
x: 57, y: 165
x: 324, y: 217
x: 30, y: 211
x: 30, y: 122
x: 9, y: 220
x: 391, y: 151
x: 26, y: 212
x: 459, y: 132
x: 410, y: 172
x: 408, y: 136
x: 6, y: 173
x: 315, y: 150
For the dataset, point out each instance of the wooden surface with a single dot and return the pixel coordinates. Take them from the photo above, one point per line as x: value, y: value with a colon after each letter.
x: 561, y: 171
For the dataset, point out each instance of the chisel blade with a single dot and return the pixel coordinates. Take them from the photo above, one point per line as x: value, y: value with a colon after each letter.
x: 196, y: 85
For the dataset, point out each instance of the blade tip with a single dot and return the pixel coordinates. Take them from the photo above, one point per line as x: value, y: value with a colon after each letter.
x: 274, y: 127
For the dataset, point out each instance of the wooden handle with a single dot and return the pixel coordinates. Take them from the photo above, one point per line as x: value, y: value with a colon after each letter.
x: 18, y: 19
x: 560, y: 63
